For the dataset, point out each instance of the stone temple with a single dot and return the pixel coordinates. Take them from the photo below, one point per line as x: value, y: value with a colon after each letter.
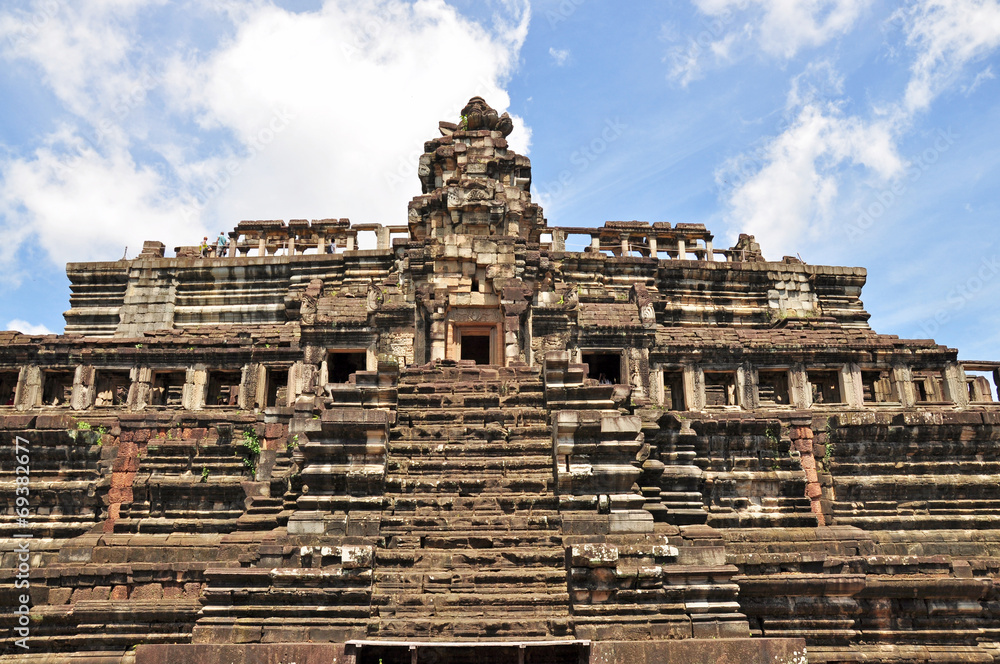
x: 490, y: 440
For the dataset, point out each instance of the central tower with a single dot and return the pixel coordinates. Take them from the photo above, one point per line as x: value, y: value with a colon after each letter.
x: 470, y: 231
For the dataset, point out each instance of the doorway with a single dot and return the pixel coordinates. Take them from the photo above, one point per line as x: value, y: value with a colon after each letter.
x: 477, y: 343
x: 476, y: 347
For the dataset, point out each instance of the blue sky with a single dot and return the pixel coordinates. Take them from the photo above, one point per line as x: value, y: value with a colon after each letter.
x: 847, y: 132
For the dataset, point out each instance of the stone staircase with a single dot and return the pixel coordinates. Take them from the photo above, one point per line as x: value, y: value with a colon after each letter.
x: 470, y: 528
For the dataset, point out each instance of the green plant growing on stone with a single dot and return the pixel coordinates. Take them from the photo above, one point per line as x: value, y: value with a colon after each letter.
x: 138, y: 345
x: 83, y: 426
x: 251, y: 443
x: 204, y: 474
x: 293, y: 442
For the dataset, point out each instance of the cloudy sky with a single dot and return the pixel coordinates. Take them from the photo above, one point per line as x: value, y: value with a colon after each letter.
x: 857, y: 132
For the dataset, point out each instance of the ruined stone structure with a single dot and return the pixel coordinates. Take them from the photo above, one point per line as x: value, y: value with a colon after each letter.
x: 487, y: 439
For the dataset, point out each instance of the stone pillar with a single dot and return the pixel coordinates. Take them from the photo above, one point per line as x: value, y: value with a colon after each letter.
x: 902, y: 385
x: 29, y: 388
x: 996, y: 384
x: 350, y: 242
x: 746, y: 386
x: 955, y: 388
x: 84, y: 392
x: 439, y: 342
x: 595, y: 243
x: 232, y: 247
x: 558, y: 240
x: 383, y: 237
x: 799, y: 390
x: 624, y: 241
x: 511, y: 339
x: 694, y: 387
x: 681, y: 249
x: 709, y: 256
x: 300, y: 379
x: 854, y: 390
x: 320, y: 243
x: 262, y: 245
x: 291, y: 245
x: 195, y: 384
x: 652, y: 246
x: 139, y: 392
x: 656, y: 386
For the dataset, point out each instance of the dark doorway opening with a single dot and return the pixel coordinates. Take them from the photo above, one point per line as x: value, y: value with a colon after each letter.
x: 476, y: 347
x: 605, y: 368
x: 481, y: 653
x: 277, y: 387
x: 673, y: 390
x: 341, y: 364
x: 8, y: 387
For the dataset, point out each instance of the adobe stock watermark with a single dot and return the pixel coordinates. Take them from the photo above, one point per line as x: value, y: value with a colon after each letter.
x: 960, y: 296
x: 122, y: 107
x: 713, y: 29
x: 22, y: 550
x: 885, y: 199
x: 563, y: 11
x: 257, y: 143
x: 44, y: 12
x: 582, y: 158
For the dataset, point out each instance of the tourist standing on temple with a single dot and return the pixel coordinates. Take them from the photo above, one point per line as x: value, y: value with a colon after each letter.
x: 220, y: 245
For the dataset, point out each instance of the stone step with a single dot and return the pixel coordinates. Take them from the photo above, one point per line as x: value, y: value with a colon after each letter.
x: 480, y: 559
x: 473, y: 625
x: 507, y: 503
x: 459, y: 539
x: 527, y: 483
x: 481, y: 580
x: 397, y: 464
x: 423, y: 523
x: 443, y: 603
x: 456, y: 448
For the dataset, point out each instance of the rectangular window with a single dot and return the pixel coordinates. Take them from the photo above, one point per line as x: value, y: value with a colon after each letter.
x: 929, y: 386
x: 720, y: 388
x: 605, y: 368
x: 8, y: 387
x: 673, y: 390
x: 981, y: 386
x: 223, y: 388
x: 167, y: 388
x: 57, y: 388
x: 340, y: 364
x: 876, y: 386
x: 112, y: 388
x: 825, y: 386
x: 772, y: 387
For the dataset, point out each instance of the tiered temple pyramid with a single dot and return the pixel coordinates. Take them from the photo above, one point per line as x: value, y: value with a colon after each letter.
x: 487, y: 439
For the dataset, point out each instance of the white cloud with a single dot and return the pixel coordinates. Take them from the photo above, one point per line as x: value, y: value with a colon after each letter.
x: 946, y: 35
x: 560, y: 55
x: 783, y: 27
x: 779, y: 28
x: 296, y: 115
x: 786, y: 193
x: 27, y: 328
x: 983, y: 76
